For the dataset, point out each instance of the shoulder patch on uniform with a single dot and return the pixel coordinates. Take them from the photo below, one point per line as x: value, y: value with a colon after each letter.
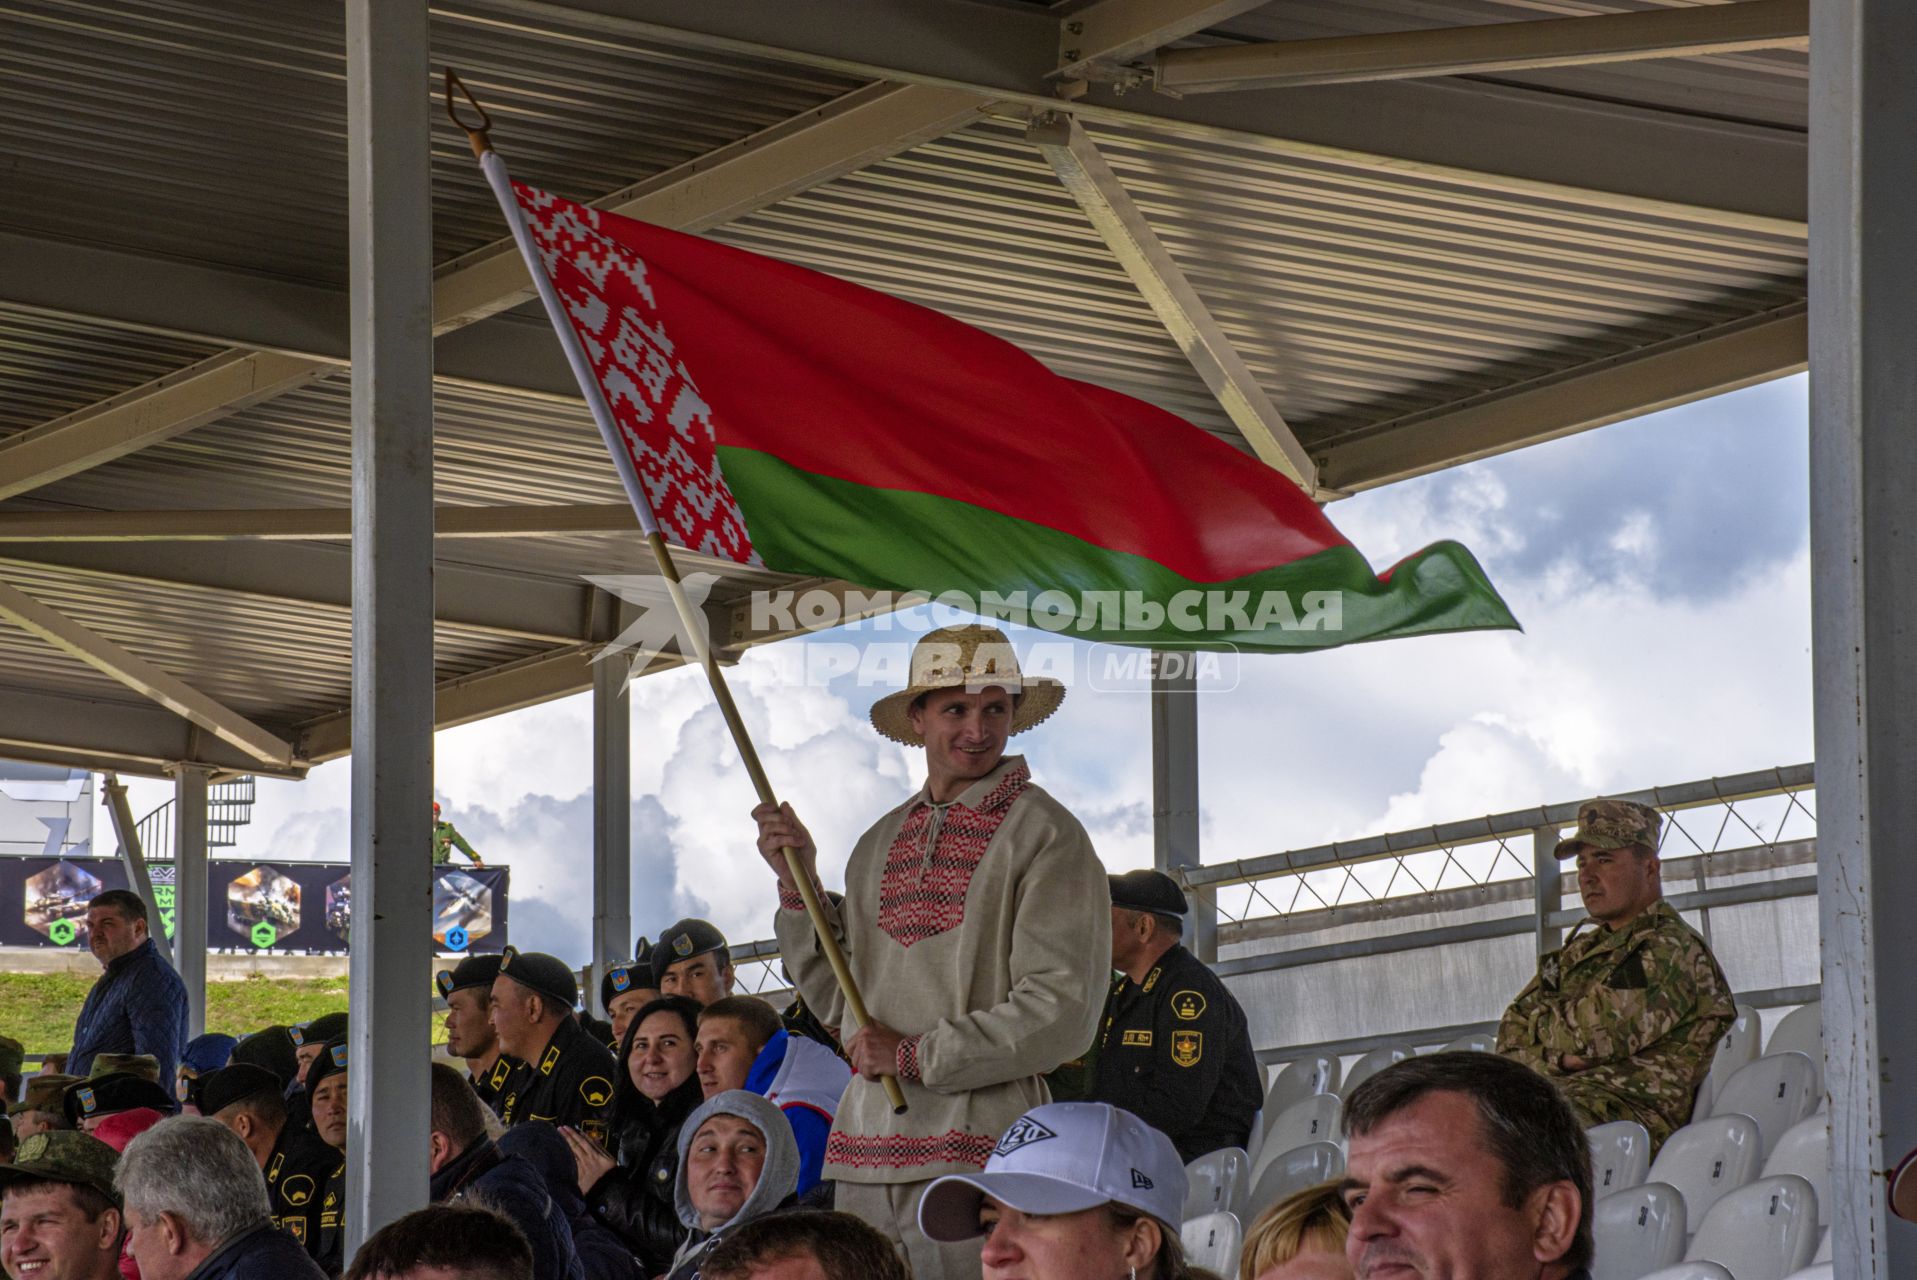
x: 1187, y: 1047
x: 297, y: 1190
x: 595, y: 1091
x: 1138, y: 1039
x: 1188, y: 1006
x: 295, y: 1227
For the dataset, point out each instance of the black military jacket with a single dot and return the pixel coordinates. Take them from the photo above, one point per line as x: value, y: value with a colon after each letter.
x: 1175, y: 1052
x: 569, y: 1083
x: 297, y: 1173
x: 331, y: 1254
x: 491, y: 1086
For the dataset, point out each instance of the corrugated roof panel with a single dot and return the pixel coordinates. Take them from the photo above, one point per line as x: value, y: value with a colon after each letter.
x: 1762, y: 87
x: 267, y: 658
x: 146, y: 122
x: 51, y: 366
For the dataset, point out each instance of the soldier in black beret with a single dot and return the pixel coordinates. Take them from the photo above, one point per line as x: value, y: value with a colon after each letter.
x: 691, y: 959
x: 295, y: 1163
x: 91, y: 1101
x: 326, y: 1100
x: 1174, y: 1049
x: 309, y: 1036
x: 625, y: 990
x: 274, y: 1049
x: 468, y: 991
x: 565, y: 1074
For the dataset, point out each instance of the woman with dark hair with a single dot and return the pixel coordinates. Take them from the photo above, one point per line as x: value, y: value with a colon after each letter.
x: 1074, y: 1191
x: 656, y: 1090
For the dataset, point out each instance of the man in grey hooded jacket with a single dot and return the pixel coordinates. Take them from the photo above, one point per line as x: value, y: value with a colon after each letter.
x: 737, y: 1162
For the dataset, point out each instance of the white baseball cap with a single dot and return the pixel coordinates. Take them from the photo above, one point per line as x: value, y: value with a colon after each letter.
x: 1064, y: 1157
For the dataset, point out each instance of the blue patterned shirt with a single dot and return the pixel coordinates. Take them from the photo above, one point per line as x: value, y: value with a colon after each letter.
x: 137, y: 1006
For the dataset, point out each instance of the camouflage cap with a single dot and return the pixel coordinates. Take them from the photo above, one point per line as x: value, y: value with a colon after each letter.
x: 43, y: 1093
x: 13, y: 1056
x: 64, y: 1156
x: 1612, y: 824
x: 143, y: 1065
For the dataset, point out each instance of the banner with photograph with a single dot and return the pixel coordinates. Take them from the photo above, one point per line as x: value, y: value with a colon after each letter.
x: 303, y: 908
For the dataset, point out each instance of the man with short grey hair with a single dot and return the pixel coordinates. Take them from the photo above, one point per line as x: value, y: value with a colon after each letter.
x: 196, y: 1206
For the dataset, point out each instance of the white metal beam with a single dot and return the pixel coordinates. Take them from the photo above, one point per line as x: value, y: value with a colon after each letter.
x: 146, y: 415
x: 83, y: 732
x: 1116, y: 31
x: 103, y: 655
x: 304, y: 524
x: 190, y: 889
x: 1624, y: 386
x: 844, y: 135
x: 1489, y: 48
x: 1091, y: 182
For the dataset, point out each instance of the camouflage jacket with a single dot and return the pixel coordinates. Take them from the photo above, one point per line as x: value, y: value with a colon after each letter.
x: 1643, y: 1005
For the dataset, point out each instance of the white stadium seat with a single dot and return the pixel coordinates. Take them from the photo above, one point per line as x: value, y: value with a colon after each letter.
x: 1763, y: 1231
x: 1823, y: 1247
x: 1299, y: 1080
x: 1805, y: 1151
x: 1637, y: 1231
x: 1620, y: 1156
x: 1777, y: 1091
x: 1219, y: 1182
x: 1212, y: 1242
x: 1292, y: 1171
x: 1707, y: 1158
x: 1372, y: 1063
x: 1691, y: 1271
x: 1803, y: 1030
x: 1735, y: 1049
x: 1476, y: 1042
x: 1815, y: 1271
x: 1313, y: 1119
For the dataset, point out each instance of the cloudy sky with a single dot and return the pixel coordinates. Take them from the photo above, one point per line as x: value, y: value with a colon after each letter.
x: 1660, y: 569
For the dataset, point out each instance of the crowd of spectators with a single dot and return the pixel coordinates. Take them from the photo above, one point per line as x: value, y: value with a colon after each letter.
x: 1063, y: 1056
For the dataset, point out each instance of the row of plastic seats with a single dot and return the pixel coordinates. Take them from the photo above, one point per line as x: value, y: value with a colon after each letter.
x: 1764, y: 1230
x: 1711, y: 1271
x: 1227, y: 1181
x: 1212, y: 1241
x: 1322, y: 1073
x: 1802, y: 1030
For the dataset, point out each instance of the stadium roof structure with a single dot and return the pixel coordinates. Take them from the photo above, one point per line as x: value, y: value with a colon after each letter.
x: 1384, y: 275
x: 1363, y: 239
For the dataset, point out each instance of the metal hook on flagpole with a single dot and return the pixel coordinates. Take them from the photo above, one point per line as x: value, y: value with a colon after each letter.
x: 479, y: 134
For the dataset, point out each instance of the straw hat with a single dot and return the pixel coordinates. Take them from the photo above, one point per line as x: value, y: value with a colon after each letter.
x: 972, y: 658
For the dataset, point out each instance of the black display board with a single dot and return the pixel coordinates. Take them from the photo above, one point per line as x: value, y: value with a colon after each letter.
x: 302, y: 907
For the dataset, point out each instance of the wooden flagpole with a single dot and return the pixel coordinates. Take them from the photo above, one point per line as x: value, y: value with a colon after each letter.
x: 691, y: 623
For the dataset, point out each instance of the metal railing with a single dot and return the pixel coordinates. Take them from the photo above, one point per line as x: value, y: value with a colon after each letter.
x: 1715, y: 828
x: 229, y: 806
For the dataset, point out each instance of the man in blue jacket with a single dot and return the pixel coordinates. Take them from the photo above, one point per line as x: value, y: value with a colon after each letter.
x: 139, y: 1004
x: 465, y: 1164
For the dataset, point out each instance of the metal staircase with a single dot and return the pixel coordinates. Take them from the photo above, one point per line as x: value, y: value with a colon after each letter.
x: 229, y: 806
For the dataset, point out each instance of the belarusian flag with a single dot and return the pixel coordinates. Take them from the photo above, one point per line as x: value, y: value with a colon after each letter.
x: 777, y: 416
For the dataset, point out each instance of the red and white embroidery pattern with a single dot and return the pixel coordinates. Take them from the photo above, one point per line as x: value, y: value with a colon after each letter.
x: 894, y: 1151
x: 922, y: 896
x: 664, y: 424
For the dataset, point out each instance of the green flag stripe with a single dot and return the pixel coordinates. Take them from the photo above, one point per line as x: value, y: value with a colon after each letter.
x: 805, y: 523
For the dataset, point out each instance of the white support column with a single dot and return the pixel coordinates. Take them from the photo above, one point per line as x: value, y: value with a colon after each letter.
x: 1863, y: 469
x: 1175, y: 793
x: 190, y: 890
x: 611, y: 820
x: 390, y: 222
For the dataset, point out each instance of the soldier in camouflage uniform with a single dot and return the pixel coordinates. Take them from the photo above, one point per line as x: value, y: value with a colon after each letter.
x: 1626, y: 1016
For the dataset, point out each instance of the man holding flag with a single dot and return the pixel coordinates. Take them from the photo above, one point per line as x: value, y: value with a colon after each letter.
x: 977, y: 921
